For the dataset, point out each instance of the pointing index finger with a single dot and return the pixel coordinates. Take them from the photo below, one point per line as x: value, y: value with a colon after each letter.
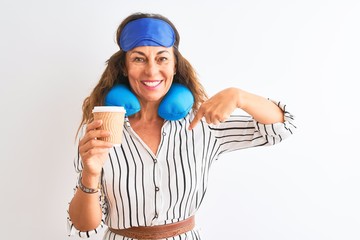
x: 196, y: 119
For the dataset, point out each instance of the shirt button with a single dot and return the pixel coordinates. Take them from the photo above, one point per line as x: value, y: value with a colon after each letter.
x: 155, y: 160
x: 156, y: 215
x: 164, y: 133
x: 157, y: 189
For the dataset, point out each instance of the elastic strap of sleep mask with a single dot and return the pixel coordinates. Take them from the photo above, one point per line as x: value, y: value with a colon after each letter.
x: 146, y: 32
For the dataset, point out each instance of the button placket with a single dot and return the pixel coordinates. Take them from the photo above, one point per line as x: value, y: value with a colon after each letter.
x: 157, y: 188
x: 157, y: 181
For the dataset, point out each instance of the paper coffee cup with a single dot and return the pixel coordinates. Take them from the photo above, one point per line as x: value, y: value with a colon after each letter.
x: 113, y: 121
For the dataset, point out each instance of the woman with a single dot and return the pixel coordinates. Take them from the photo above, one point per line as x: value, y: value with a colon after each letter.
x: 152, y: 185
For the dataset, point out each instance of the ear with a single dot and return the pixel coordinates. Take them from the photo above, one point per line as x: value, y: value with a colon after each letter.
x: 124, y: 71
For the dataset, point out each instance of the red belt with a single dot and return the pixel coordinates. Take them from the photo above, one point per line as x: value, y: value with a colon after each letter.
x: 157, y: 232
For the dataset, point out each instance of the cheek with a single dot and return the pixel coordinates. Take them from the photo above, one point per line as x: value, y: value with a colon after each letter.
x: 170, y: 71
x: 134, y: 84
x: 133, y: 70
x: 134, y: 75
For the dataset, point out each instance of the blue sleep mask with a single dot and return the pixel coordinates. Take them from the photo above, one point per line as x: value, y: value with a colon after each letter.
x: 146, y: 32
x: 175, y: 105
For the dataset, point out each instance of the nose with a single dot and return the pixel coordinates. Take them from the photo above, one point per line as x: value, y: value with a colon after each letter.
x: 151, y: 68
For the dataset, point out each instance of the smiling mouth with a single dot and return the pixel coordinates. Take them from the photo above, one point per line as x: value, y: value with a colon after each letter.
x: 151, y: 83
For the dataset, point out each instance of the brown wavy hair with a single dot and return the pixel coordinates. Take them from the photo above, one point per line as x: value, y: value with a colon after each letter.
x: 115, y: 69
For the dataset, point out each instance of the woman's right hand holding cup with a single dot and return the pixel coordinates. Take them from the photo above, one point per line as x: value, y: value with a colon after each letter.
x: 93, y: 152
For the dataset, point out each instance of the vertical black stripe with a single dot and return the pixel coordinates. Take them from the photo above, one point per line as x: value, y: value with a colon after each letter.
x: 195, y: 184
x: 127, y: 172
x: 203, y: 160
x: 114, y: 192
x: 135, y: 183
x: 175, y: 173
x: 143, y: 179
x: 212, y: 155
x: 169, y: 172
x: 156, y: 192
x: 121, y: 198
x: 205, y: 164
x: 105, y: 196
x: 183, y: 172
x: 186, y: 210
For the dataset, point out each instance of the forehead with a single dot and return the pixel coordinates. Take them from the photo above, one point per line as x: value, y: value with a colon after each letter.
x: 151, y: 50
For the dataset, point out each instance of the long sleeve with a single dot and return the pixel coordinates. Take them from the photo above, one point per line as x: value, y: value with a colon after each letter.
x: 71, y: 230
x: 240, y: 132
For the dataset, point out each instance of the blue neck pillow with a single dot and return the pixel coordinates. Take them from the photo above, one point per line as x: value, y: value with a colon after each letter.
x: 175, y: 105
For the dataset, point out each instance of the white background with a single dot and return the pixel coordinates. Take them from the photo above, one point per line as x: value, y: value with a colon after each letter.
x: 305, y: 53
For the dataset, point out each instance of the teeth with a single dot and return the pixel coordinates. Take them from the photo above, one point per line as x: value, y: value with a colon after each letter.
x: 151, y: 84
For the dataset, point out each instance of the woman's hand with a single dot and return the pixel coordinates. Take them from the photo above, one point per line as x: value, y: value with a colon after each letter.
x: 217, y: 108
x: 93, y: 152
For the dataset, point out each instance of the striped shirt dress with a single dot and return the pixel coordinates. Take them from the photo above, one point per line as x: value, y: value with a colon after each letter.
x: 140, y: 188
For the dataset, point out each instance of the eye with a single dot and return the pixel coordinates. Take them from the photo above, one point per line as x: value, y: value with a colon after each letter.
x: 162, y: 59
x: 138, y: 59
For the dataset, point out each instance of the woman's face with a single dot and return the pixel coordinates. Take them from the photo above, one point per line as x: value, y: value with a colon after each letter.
x: 150, y: 71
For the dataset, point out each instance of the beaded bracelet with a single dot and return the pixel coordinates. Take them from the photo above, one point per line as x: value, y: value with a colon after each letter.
x: 86, y: 189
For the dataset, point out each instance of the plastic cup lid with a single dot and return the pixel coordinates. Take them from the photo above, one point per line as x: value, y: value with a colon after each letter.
x: 108, y: 109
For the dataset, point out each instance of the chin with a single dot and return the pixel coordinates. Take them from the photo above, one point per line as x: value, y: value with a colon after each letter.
x: 153, y: 98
